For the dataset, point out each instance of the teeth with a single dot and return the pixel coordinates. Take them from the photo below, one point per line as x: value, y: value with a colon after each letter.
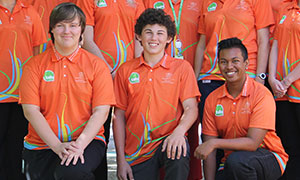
x: 230, y: 73
x: 151, y: 44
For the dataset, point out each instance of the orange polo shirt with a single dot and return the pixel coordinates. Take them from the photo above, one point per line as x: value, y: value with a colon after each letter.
x: 152, y: 100
x: 20, y: 31
x: 228, y: 118
x: 188, y: 34
x: 222, y: 19
x: 44, y: 8
x: 113, y: 22
x: 287, y: 34
x: 66, y: 89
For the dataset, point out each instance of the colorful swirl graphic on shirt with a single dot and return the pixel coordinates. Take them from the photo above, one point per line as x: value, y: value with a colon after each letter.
x: 287, y: 66
x: 145, y: 139
x: 16, y: 69
x: 121, y: 48
x: 65, y: 129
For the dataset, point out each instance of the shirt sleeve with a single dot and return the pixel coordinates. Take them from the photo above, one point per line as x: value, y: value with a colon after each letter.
x: 188, y: 83
x: 140, y: 9
x: 38, y: 32
x: 88, y: 7
x: 263, y: 112
x: 209, y: 126
x: 120, y: 89
x: 103, y: 92
x: 30, y: 84
x: 201, y: 25
x: 263, y: 13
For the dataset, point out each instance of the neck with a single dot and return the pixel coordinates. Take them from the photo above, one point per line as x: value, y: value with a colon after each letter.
x: 9, y: 4
x: 175, y: 1
x: 65, y: 51
x: 235, y: 88
x: 151, y: 59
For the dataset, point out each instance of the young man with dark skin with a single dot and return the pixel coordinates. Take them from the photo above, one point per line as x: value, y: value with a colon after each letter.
x: 239, y: 117
x: 156, y: 105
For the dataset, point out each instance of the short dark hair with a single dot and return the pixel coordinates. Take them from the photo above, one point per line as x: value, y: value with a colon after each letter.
x: 155, y: 16
x: 233, y: 43
x: 66, y: 12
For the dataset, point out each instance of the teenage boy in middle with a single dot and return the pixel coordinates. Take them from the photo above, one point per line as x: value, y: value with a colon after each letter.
x: 156, y: 105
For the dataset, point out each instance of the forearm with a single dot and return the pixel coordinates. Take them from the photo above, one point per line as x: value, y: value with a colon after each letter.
x: 188, y: 117
x: 93, y: 126
x: 210, y: 166
x: 119, y: 133
x: 90, y: 45
x: 36, y: 50
x: 263, y: 50
x: 273, y: 60
x: 41, y: 126
x: 293, y: 76
x: 236, y: 144
x: 199, y: 55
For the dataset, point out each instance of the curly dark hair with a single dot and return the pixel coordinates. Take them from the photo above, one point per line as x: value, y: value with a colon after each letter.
x: 233, y: 43
x: 155, y: 16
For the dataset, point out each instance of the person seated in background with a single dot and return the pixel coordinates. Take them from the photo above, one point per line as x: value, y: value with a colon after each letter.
x: 156, y: 105
x: 239, y: 117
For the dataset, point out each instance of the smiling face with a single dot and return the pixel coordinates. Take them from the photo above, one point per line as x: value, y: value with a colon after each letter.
x: 66, y: 34
x: 154, y: 39
x: 232, y: 65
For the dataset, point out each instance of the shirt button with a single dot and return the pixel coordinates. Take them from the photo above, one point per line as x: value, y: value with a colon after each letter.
x: 234, y: 103
x: 150, y: 79
x: 11, y: 18
x: 233, y: 112
x: 65, y: 66
x: 151, y: 70
x: 6, y: 11
x: 65, y: 75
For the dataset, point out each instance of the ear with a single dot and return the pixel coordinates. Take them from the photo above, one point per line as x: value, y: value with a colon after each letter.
x: 169, y: 39
x: 138, y: 37
x: 246, y: 63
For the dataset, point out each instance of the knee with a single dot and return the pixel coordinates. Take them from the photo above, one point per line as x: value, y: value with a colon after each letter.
x: 235, y: 161
x: 72, y: 173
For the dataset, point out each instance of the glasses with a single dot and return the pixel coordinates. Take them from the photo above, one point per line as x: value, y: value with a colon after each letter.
x: 63, y: 26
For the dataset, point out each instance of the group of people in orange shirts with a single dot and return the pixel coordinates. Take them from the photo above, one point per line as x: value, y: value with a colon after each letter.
x: 66, y: 92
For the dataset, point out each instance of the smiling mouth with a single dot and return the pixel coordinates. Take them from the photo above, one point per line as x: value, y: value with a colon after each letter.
x: 153, y: 44
x: 231, y: 73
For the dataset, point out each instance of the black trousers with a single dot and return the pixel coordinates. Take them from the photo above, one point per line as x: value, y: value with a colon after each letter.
x: 13, y: 128
x: 45, y: 164
x: 245, y: 165
x: 288, y: 129
x: 177, y: 169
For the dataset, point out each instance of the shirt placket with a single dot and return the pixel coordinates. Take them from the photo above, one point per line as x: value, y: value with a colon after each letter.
x: 234, y: 117
x: 65, y: 73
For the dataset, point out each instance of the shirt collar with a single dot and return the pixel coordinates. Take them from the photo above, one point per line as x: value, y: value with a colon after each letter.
x: 19, y: 5
x: 293, y: 5
x: 245, y: 91
x: 164, y: 62
x: 56, y: 56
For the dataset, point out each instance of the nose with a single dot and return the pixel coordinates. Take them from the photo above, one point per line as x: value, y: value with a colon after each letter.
x: 154, y: 36
x: 67, y: 29
x: 229, y: 65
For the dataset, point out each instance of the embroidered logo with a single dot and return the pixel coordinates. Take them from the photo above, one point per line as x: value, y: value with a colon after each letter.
x: 134, y: 78
x: 101, y: 3
x: 131, y: 3
x: 212, y: 7
x: 80, y: 78
x: 27, y: 20
x: 159, y: 5
x: 48, y: 76
x: 193, y: 7
x: 282, y: 19
x: 246, y: 109
x: 168, y: 79
x: 219, y: 110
